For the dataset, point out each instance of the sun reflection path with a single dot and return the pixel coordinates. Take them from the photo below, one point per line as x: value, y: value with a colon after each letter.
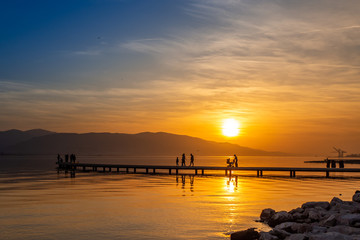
x: 231, y: 184
x: 232, y: 210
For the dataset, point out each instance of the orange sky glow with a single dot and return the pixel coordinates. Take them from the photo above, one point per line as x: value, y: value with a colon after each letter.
x: 287, y: 71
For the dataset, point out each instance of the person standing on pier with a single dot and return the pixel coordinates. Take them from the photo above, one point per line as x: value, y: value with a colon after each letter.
x: 333, y: 164
x: 177, y: 161
x: 341, y: 164
x: 327, y: 163
x: 235, y: 160
x: 183, y: 160
x: 191, y: 159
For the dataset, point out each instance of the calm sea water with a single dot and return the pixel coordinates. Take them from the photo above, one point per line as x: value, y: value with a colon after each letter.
x: 37, y: 202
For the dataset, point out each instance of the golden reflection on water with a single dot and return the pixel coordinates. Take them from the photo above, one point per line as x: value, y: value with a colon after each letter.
x: 231, y: 184
x: 118, y: 206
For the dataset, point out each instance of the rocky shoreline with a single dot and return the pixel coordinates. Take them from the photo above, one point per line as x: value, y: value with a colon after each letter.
x: 334, y: 220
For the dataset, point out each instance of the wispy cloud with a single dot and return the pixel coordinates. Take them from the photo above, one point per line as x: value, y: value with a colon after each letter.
x: 264, y: 41
x: 282, y: 67
x: 87, y: 53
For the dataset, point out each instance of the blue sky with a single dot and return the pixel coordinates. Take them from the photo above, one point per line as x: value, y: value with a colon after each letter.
x: 56, y: 39
x: 288, y: 70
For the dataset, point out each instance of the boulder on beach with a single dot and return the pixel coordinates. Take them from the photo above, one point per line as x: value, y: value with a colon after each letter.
x: 336, y: 219
x: 356, y: 197
x: 280, y: 217
x: 249, y: 234
x: 330, y: 236
x: 324, y: 205
x: 266, y: 214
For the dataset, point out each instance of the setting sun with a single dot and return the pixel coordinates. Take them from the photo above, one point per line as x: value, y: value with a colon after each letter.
x: 230, y: 127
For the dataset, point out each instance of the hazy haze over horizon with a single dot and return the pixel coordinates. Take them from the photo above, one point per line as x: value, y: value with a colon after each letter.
x: 288, y: 71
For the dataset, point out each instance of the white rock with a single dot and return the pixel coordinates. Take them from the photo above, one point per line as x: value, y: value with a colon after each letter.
x: 348, y: 219
x: 267, y: 236
x: 280, y: 217
x: 356, y: 197
x: 330, y: 236
x: 330, y: 221
x: 314, y: 215
x: 296, y: 237
x: 344, y: 230
x: 325, y: 205
x: 266, y: 214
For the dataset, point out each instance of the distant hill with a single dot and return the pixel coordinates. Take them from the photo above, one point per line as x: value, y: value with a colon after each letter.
x: 14, y: 136
x: 141, y: 144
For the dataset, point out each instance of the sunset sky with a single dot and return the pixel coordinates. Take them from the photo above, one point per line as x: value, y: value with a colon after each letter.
x: 287, y: 70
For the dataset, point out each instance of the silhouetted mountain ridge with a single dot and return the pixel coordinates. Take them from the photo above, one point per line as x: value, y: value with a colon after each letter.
x: 140, y: 144
x: 14, y: 136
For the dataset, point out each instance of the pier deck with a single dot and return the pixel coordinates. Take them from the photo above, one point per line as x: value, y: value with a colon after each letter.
x: 197, y: 169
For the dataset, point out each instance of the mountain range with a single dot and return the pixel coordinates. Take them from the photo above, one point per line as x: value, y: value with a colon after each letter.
x: 38, y: 141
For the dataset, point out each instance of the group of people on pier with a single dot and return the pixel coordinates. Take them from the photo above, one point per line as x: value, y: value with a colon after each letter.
x: 332, y: 163
x: 68, y: 158
x: 233, y: 163
x: 183, y: 160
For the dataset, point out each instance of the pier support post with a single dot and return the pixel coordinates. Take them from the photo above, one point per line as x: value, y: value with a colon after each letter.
x: 169, y: 171
x: 103, y: 169
x: 134, y: 170
x: 109, y: 169
x: 177, y: 171
x: 84, y: 168
x: 226, y: 172
x: 202, y: 171
x: 327, y: 174
x: 127, y: 170
x: 117, y: 169
x: 154, y: 170
x: 147, y: 170
x: 261, y: 173
x: 195, y: 171
x: 96, y: 169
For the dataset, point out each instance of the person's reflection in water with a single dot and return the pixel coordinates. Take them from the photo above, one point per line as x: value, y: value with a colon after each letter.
x: 183, y: 181
x: 192, y: 178
x: 232, y: 183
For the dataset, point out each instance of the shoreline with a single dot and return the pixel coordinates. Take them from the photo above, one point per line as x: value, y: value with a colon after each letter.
x: 334, y: 220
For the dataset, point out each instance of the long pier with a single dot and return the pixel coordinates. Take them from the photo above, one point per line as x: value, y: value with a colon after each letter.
x: 151, y: 169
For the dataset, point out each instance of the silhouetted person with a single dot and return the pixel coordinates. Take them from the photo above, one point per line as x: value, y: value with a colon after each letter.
x: 177, y: 161
x: 183, y: 160
x: 66, y: 157
x: 341, y: 164
x: 58, y: 158
x: 333, y: 164
x: 235, y: 160
x: 191, y: 159
x: 327, y: 162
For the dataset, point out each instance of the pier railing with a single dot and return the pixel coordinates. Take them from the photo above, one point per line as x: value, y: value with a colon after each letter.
x: 197, y: 169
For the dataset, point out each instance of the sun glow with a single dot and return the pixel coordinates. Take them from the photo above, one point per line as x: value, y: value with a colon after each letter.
x: 230, y: 127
